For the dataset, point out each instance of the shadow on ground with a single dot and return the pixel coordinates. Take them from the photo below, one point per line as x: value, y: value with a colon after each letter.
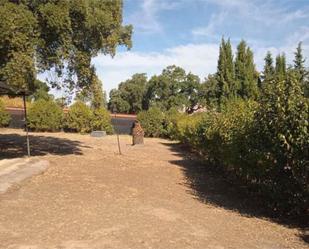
x: 14, y: 145
x: 211, y: 187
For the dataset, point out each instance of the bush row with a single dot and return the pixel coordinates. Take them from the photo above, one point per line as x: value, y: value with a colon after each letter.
x: 262, y: 144
x: 48, y: 116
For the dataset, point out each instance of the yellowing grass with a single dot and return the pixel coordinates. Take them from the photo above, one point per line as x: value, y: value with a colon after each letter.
x: 13, y: 102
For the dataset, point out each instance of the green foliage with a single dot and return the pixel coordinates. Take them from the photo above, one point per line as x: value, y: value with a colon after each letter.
x: 18, y: 38
x: 173, y: 88
x: 45, y: 115
x: 61, y: 35
x: 117, y: 103
x: 245, y: 72
x: 282, y: 142
x: 225, y: 73
x: 79, y: 118
x: 152, y: 122
x: 301, y: 72
x: 102, y: 121
x: 263, y: 144
x: 171, y: 118
x: 269, y: 70
x: 4, y: 116
x: 41, y: 91
x: 93, y: 93
x: 209, y: 92
x: 280, y: 67
x: 129, y: 96
x: 187, y: 129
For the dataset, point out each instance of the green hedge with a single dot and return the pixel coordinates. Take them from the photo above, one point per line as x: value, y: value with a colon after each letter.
x: 45, y: 116
x: 264, y: 145
x: 82, y: 118
x: 79, y: 118
x: 152, y: 122
x: 4, y: 116
x: 102, y: 121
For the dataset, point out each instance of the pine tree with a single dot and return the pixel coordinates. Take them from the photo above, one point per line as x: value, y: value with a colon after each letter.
x: 245, y: 72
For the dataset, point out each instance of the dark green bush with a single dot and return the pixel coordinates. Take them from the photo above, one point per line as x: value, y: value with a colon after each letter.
x: 102, y: 120
x: 45, y: 116
x: 152, y: 122
x: 4, y: 116
x: 79, y: 118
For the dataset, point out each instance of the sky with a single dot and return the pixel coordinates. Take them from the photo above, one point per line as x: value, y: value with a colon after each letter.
x: 187, y: 33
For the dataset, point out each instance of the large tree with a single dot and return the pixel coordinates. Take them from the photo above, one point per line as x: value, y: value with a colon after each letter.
x: 245, y: 73
x: 59, y: 35
x: 130, y: 91
x: 269, y: 70
x: 227, y: 87
x: 280, y: 67
x: 165, y: 90
x: 299, y: 67
x: 173, y: 88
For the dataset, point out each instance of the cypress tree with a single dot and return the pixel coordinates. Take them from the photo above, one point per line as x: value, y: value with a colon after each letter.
x: 245, y: 72
x: 280, y: 66
x: 299, y: 62
x: 225, y: 72
x: 269, y: 70
x: 299, y: 67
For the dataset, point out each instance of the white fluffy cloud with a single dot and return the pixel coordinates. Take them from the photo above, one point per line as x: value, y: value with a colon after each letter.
x: 200, y: 59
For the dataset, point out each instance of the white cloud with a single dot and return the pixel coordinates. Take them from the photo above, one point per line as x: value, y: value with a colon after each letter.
x: 252, y: 17
x: 146, y: 18
x: 200, y: 59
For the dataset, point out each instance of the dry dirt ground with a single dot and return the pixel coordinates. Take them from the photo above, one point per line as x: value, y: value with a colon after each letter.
x: 150, y: 197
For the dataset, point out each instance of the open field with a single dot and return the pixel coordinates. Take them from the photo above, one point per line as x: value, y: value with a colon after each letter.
x: 152, y: 196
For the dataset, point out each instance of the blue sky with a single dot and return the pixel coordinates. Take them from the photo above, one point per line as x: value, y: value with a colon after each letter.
x: 188, y: 32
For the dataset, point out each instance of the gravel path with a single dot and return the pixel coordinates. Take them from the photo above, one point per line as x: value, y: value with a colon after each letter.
x: 90, y: 197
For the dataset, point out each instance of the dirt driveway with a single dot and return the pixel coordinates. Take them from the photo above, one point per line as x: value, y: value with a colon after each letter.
x: 150, y: 197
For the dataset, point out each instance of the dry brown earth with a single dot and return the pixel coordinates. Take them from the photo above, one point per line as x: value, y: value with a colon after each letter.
x: 150, y: 197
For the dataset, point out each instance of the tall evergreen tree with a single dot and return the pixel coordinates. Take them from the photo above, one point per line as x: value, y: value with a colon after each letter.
x: 269, y: 70
x: 225, y: 72
x: 280, y: 66
x: 299, y: 67
x: 245, y: 72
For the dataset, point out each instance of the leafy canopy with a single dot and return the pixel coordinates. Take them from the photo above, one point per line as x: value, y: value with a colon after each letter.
x: 60, y: 35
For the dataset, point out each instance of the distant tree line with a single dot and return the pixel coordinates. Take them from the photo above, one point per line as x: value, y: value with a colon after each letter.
x: 236, y: 77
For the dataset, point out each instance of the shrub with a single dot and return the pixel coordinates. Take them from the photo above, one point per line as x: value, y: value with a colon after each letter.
x: 45, y: 116
x: 152, y: 122
x: 264, y: 145
x: 171, y: 118
x: 187, y: 129
x: 79, y: 118
x: 102, y: 120
x: 4, y: 116
x: 281, y: 144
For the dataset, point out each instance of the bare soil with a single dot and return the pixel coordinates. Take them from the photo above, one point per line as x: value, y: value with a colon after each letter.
x: 152, y: 196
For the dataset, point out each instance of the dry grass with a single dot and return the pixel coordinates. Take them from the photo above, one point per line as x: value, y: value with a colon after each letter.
x: 91, y: 197
x: 13, y: 102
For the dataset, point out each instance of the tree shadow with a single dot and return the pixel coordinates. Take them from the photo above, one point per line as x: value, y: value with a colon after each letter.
x: 14, y: 146
x: 211, y: 186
